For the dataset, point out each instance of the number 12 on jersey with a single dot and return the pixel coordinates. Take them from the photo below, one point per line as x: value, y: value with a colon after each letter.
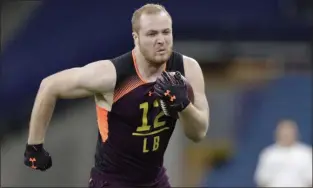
x: 157, y: 124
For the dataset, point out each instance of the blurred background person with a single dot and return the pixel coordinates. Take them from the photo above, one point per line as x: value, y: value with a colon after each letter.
x: 256, y: 59
x: 288, y: 162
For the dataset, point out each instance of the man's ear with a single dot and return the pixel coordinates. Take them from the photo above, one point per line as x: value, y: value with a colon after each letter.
x: 135, y: 37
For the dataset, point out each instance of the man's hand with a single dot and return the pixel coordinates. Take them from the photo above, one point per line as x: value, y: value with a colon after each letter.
x: 36, y: 157
x: 173, y: 93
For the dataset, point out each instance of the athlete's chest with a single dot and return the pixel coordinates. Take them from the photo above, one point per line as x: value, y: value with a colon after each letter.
x: 139, y: 121
x: 140, y: 110
x: 138, y: 103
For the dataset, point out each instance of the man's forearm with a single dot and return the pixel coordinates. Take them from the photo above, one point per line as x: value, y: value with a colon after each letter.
x: 195, y: 122
x: 41, y: 115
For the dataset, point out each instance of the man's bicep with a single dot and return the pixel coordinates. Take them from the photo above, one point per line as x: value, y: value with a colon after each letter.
x: 194, y: 76
x: 97, y: 77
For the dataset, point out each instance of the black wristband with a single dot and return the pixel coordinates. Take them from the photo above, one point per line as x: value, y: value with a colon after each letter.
x: 34, y: 147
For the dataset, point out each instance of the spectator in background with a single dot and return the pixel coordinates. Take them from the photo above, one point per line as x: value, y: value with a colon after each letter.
x: 288, y: 162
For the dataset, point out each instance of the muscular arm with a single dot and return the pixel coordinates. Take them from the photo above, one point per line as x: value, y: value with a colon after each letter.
x: 97, y: 77
x: 195, y: 117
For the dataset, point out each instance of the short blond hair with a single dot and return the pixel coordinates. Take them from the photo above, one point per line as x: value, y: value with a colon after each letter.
x: 146, y: 9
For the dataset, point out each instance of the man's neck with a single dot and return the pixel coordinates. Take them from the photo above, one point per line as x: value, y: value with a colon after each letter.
x: 147, y: 71
x: 287, y: 145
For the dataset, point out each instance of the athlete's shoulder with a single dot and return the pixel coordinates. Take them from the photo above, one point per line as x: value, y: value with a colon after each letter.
x: 101, y: 67
x: 100, y: 64
x: 124, y: 67
x: 124, y: 62
x: 98, y: 67
x: 103, y: 72
x: 125, y: 57
x: 176, y: 56
x: 189, y: 61
x: 186, y: 60
x: 193, y: 71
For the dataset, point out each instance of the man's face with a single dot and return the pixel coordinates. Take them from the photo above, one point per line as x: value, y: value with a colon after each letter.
x: 286, y: 133
x: 155, y: 38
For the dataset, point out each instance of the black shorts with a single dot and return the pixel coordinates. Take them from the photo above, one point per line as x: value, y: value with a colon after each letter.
x: 100, y: 180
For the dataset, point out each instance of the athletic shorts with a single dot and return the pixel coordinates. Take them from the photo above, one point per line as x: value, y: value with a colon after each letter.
x: 100, y: 180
